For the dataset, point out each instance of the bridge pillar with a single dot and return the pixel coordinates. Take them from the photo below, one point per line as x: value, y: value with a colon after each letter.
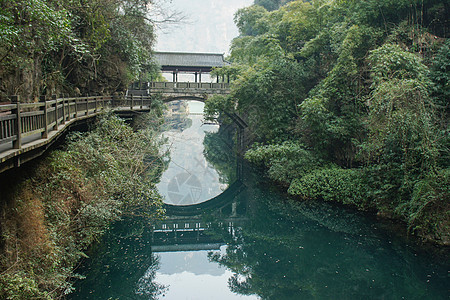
x: 200, y: 76
x: 195, y: 77
x: 175, y: 76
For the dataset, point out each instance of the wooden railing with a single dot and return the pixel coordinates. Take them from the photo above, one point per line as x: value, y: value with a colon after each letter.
x: 180, y: 85
x: 19, y: 120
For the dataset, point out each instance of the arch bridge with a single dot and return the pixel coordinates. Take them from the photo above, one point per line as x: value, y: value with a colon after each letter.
x: 188, y: 64
x: 187, y: 227
x: 187, y: 90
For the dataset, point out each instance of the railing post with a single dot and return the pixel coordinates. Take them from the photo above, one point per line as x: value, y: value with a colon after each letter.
x: 17, y: 144
x: 55, y: 98
x: 63, y: 121
x: 67, y: 116
x: 95, y: 105
x: 87, y: 104
x: 44, y: 134
x: 76, y: 107
x: 131, y: 104
x: 142, y: 101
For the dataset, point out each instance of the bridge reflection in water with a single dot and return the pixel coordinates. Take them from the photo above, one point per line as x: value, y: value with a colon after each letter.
x: 186, y: 227
x: 189, y: 216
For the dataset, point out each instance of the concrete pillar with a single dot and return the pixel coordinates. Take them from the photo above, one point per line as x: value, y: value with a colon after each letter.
x: 195, y: 77
x: 200, y: 76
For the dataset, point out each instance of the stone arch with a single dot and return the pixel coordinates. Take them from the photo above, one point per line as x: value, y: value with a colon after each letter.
x: 190, y: 97
x: 214, y: 203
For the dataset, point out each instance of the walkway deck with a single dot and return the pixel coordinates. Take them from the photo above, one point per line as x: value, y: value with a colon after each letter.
x: 28, y: 129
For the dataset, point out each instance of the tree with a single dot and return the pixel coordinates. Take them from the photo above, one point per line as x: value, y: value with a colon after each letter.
x: 72, y: 46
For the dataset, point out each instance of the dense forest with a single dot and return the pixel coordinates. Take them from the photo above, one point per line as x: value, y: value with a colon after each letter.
x: 75, y: 46
x: 348, y: 101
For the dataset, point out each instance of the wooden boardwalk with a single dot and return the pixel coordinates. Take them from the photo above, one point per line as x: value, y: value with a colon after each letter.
x: 28, y: 129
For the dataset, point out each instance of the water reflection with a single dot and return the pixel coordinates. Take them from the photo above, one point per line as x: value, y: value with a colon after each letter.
x: 189, y: 275
x: 189, y: 179
x: 122, y: 266
x: 255, y: 244
x: 292, y: 250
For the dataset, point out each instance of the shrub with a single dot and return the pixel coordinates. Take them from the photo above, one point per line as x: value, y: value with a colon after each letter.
x: 332, y: 184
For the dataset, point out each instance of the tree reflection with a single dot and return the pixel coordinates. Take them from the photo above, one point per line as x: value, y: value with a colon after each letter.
x: 127, y: 267
x: 291, y: 250
x: 176, y: 116
x: 219, y: 152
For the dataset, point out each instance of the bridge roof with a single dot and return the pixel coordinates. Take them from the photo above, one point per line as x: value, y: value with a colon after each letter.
x: 189, y: 62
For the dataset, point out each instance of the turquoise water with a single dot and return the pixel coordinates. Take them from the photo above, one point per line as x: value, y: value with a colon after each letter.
x: 254, y: 242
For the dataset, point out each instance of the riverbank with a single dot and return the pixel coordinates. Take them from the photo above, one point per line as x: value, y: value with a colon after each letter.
x: 353, y: 109
x: 49, y: 219
x: 423, y: 210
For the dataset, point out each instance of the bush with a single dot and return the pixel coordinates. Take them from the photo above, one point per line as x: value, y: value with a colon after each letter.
x: 284, y: 161
x: 428, y: 211
x: 20, y: 286
x: 332, y: 184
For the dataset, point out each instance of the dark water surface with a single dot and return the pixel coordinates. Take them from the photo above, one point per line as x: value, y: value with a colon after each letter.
x: 252, y: 242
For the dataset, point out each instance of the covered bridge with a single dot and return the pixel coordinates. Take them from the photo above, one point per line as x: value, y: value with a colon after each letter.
x: 196, y: 63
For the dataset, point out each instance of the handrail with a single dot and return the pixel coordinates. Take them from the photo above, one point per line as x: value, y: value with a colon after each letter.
x: 18, y: 120
x: 187, y: 85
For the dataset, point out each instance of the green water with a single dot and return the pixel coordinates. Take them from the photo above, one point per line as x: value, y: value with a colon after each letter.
x: 253, y: 242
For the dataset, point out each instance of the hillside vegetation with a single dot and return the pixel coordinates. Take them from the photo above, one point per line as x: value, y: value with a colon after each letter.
x: 71, y: 199
x: 75, y: 46
x: 348, y: 101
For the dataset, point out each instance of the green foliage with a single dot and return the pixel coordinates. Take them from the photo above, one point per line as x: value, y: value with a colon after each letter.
x: 333, y: 114
x: 68, y: 46
x: 400, y: 111
x: 268, y: 4
x: 359, y: 84
x: 332, y: 184
x: 269, y: 94
x: 19, y: 286
x: 250, y: 21
x: 440, y: 75
x: 217, y: 105
x: 428, y: 211
x: 284, y: 161
x: 100, y: 177
x: 271, y: 4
